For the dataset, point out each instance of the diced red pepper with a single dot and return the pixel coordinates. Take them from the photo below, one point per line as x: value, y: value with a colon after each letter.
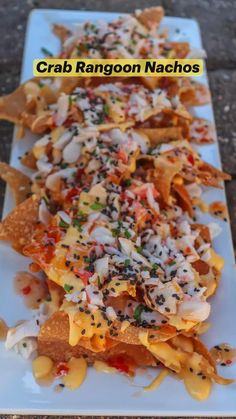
x: 120, y: 364
x: 191, y: 159
x: 72, y: 193
x: 79, y: 173
x: 83, y: 274
x: 26, y: 290
x: 61, y: 369
x: 122, y: 155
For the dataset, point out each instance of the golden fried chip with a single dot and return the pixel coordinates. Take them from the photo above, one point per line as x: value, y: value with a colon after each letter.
x: 28, y: 160
x: 184, y: 198
x: 150, y: 17
x: 165, y: 171
x: 53, y: 341
x: 162, y: 135
x: 219, y: 209
x: 61, y: 32
x: 18, y: 226
x: 193, y: 93
x: 12, y: 105
x: 18, y: 182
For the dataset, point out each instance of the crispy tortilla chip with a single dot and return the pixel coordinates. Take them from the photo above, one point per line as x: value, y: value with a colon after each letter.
x: 61, y: 32
x: 18, y: 182
x: 28, y: 160
x: 219, y: 209
x: 202, y: 131
x: 165, y: 170
x: 193, y: 93
x: 131, y: 334
x: 12, y: 105
x: 53, y: 342
x: 18, y: 226
x: 184, y: 198
x: 204, y: 231
x: 150, y: 17
x: 162, y: 135
x: 210, y: 175
x: 178, y: 49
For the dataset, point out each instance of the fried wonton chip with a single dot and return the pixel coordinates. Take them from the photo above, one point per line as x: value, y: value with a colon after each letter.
x: 150, y: 17
x: 26, y: 105
x: 193, y: 93
x: 219, y: 209
x: 177, y: 49
x: 202, y: 131
x: 165, y: 171
x: 162, y: 135
x: 12, y: 105
x: 184, y: 198
x: 19, y: 224
x: 61, y: 32
x: 53, y: 341
x: 210, y: 175
x: 28, y: 160
x: 18, y: 182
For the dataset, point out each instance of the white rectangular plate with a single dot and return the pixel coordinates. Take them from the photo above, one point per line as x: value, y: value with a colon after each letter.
x: 112, y: 394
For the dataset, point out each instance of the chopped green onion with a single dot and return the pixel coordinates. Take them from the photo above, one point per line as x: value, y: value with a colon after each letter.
x: 127, y: 263
x: 97, y: 206
x: 62, y: 224
x: 127, y: 234
x: 138, y: 311
x: 68, y: 287
x: 45, y: 51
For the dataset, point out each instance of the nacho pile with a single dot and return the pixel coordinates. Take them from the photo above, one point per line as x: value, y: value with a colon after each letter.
x: 108, y: 215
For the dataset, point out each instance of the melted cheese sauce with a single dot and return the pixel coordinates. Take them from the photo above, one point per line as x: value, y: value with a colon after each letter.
x: 76, y: 374
x: 42, y: 368
x: 101, y: 366
x: 32, y: 289
x: 201, y: 204
x: 216, y: 260
x: 157, y: 381
x: 198, y: 386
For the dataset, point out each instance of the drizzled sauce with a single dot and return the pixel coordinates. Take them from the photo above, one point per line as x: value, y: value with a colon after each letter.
x: 157, y: 381
x: 223, y: 354
x: 197, y: 385
x: 32, y: 289
x: 73, y: 374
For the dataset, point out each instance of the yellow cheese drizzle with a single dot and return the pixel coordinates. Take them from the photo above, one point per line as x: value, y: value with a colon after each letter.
x: 157, y: 381
x: 197, y: 387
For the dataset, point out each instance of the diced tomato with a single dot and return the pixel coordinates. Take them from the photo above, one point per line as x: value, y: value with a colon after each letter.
x: 79, y: 173
x: 188, y: 250
x: 122, y: 155
x: 72, y: 193
x: 61, y: 369
x: 191, y: 159
x: 123, y: 365
x: 42, y: 247
x: 200, y: 129
x: 53, y: 124
x: 34, y: 267
x: 83, y: 274
x: 26, y: 290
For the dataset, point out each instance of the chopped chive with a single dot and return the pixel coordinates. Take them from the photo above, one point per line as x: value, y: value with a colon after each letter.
x: 45, y: 51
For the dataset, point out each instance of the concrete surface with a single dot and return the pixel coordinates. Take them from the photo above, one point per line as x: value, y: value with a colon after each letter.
x: 217, y: 21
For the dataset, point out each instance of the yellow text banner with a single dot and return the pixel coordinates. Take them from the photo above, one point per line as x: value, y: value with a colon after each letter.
x: 73, y: 67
